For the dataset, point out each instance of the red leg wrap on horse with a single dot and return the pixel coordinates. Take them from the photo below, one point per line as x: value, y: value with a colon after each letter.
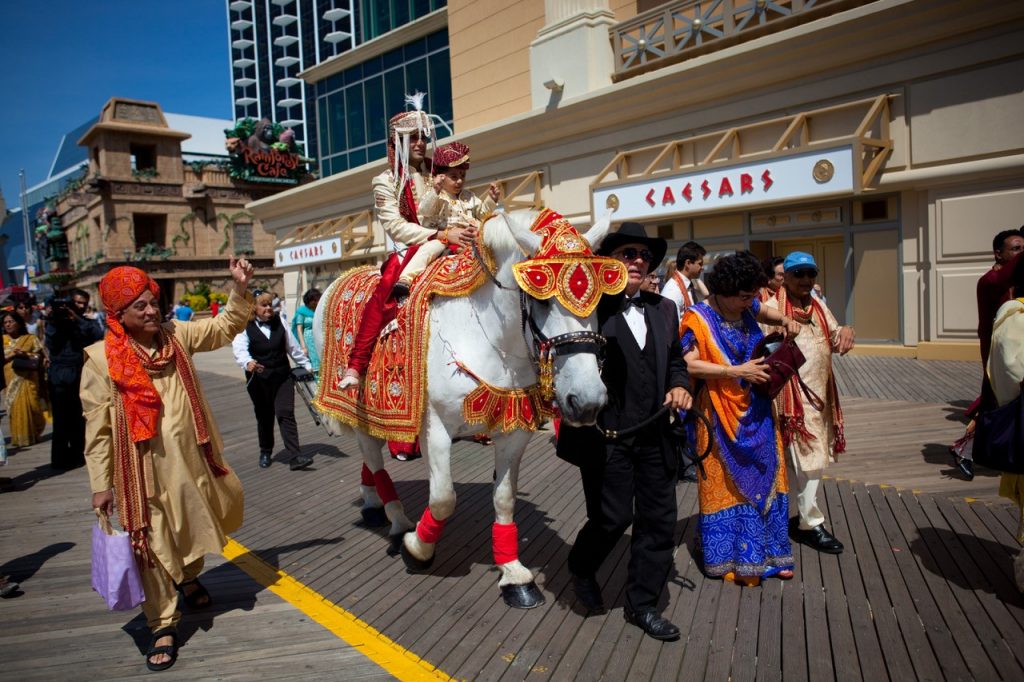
x: 505, y: 539
x: 429, y: 529
x: 367, y: 476
x: 385, y: 488
x: 379, y: 310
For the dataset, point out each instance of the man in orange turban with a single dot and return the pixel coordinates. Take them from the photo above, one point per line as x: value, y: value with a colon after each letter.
x: 152, y: 445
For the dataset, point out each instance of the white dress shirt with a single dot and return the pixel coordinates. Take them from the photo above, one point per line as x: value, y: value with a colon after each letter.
x: 240, y: 346
x: 672, y: 292
x: 637, y: 322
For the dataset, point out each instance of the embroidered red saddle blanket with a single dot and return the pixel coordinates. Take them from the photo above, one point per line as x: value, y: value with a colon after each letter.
x: 389, y: 404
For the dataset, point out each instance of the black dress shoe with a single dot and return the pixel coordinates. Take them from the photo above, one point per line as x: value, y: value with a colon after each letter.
x: 820, y: 539
x: 588, y: 593
x: 299, y: 462
x: 400, y: 291
x: 966, y: 466
x: 264, y: 460
x: 650, y: 622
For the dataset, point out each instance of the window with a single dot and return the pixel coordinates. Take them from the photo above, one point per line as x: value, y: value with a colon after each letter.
x: 149, y: 229
x: 353, y: 106
x: 382, y: 16
x: 242, y: 238
x: 143, y: 156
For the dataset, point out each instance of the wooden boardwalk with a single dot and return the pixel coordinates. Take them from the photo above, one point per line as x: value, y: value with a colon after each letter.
x: 924, y: 591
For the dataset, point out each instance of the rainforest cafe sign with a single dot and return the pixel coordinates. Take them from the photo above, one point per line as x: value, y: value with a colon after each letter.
x: 271, y: 163
x: 802, y: 176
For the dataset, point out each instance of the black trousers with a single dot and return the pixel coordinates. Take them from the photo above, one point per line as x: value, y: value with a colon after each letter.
x: 67, y: 448
x: 274, y: 396
x: 633, y: 487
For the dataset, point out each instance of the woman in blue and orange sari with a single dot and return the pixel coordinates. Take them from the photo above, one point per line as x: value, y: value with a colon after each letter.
x: 744, y: 509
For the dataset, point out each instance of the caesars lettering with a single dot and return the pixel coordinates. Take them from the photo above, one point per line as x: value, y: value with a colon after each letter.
x: 724, y: 189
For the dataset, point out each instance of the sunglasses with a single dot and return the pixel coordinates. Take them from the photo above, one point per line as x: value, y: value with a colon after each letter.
x: 804, y: 273
x: 630, y: 253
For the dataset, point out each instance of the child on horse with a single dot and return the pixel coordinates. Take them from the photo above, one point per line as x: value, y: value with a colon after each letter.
x: 444, y: 207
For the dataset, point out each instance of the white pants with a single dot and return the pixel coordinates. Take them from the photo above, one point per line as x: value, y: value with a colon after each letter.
x: 424, y: 256
x: 807, y: 483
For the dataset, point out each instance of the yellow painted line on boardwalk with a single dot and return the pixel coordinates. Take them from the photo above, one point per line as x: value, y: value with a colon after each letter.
x: 373, y: 644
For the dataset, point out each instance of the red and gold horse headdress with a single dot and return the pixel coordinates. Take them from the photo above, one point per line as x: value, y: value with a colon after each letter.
x: 565, y: 267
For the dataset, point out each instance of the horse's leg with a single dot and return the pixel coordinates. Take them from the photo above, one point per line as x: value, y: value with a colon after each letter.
x: 435, y: 444
x: 517, y: 586
x: 378, y: 490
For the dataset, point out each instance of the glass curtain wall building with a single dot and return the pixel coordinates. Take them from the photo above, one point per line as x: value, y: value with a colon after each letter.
x: 272, y: 41
x: 353, y: 106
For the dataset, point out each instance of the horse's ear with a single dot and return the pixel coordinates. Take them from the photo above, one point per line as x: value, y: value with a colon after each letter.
x: 598, y: 231
x: 528, y: 241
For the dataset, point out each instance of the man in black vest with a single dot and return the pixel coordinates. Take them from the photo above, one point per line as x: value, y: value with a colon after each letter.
x: 262, y: 350
x: 643, y: 370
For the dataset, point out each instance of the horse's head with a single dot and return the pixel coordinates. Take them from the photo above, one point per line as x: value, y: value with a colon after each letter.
x: 563, y: 281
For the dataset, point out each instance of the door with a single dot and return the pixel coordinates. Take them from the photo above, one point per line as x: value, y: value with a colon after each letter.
x: 830, y: 255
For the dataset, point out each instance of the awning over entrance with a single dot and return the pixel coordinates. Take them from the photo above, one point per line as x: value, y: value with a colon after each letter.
x: 836, y: 150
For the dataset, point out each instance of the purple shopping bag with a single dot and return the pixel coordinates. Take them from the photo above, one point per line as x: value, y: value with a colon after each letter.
x: 115, y: 575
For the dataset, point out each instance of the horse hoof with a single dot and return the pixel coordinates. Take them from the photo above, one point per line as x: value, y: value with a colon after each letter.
x: 412, y: 564
x: 526, y: 596
x: 374, y: 517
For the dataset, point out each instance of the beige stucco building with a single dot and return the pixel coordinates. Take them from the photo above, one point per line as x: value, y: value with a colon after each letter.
x: 883, y: 136
x: 140, y: 203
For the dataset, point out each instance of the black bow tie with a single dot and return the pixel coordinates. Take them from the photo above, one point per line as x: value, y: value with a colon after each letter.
x: 636, y: 300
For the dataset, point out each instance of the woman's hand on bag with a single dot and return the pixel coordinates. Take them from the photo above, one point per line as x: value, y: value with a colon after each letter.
x: 678, y: 399
x: 104, y: 502
x: 753, y: 371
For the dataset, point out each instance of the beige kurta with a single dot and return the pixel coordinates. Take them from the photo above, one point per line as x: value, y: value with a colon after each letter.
x: 385, y: 199
x: 1006, y: 371
x: 437, y: 208
x: 816, y: 454
x: 191, y: 510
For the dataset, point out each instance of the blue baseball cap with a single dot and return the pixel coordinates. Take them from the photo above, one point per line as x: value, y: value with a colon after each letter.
x: 799, y: 259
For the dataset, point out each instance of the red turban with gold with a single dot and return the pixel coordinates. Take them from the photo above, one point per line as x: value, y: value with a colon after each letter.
x: 118, y: 289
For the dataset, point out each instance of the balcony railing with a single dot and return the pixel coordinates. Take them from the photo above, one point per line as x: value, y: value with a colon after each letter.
x: 679, y: 30
x: 517, y: 192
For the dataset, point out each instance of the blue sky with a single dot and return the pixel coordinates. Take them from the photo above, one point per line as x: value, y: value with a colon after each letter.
x: 61, y: 60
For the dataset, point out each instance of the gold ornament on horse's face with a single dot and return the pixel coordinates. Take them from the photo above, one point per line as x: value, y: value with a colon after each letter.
x: 566, y: 268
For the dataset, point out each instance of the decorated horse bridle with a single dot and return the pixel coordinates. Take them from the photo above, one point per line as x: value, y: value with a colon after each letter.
x: 565, y: 268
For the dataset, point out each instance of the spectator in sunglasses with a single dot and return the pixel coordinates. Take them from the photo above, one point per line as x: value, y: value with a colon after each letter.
x: 813, y: 438
x: 631, y: 481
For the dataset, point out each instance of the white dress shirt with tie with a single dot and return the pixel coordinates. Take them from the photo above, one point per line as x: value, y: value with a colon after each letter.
x: 637, y: 321
x: 672, y: 292
x: 240, y: 346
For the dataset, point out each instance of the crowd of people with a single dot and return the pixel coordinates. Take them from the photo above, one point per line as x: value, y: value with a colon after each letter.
x: 154, y: 453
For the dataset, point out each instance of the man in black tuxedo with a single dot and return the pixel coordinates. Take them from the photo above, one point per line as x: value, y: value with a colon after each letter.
x: 643, y: 370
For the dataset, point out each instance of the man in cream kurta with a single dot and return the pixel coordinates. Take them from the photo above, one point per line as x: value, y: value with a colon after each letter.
x: 811, y: 456
x: 191, y: 510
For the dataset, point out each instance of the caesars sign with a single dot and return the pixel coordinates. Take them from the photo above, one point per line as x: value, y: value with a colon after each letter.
x: 803, y: 176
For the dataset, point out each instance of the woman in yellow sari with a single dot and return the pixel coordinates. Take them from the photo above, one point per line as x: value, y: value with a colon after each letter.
x: 24, y: 404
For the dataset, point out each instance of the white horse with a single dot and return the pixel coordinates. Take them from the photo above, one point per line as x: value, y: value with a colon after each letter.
x: 484, y: 331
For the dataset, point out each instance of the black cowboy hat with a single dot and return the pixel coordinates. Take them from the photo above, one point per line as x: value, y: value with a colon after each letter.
x: 634, y: 233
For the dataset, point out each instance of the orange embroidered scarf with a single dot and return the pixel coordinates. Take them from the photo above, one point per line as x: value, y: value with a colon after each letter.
x: 137, y: 403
